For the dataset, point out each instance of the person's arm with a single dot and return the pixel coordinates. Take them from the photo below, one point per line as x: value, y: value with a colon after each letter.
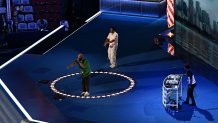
x: 67, y: 24
x: 83, y: 65
x: 72, y: 64
x: 116, y: 36
x: 189, y: 74
x: 107, y: 40
x: 111, y: 41
x: 191, y: 80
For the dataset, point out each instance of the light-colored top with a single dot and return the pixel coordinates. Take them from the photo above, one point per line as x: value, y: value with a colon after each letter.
x: 193, y: 80
x: 66, y: 24
x: 113, y: 36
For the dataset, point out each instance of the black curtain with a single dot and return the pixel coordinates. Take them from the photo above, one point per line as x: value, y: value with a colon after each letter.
x: 77, y: 11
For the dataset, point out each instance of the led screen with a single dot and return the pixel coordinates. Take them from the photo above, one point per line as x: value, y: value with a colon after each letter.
x: 196, y: 28
x: 151, y: 8
x: 201, y: 14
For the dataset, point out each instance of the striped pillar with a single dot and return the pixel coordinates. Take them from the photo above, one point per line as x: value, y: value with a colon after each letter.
x: 170, y: 13
x: 170, y: 49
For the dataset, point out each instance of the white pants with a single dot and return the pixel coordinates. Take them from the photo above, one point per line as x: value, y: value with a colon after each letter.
x: 112, y: 52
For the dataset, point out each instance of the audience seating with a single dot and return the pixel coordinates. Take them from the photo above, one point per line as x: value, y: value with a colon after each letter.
x: 16, y: 1
x: 32, y: 26
x: 20, y: 18
x: 27, y: 9
x: 29, y: 17
x: 25, y: 2
x: 22, y: 26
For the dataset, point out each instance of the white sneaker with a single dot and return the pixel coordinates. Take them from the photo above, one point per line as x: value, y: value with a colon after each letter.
x: 82, y: 93
x: 86, y: 94
x: 112, y: 66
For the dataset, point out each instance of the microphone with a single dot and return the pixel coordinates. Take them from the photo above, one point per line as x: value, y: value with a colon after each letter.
x: 76, y: 62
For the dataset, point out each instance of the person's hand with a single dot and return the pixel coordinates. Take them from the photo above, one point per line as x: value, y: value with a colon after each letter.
x: 105, y: 44
x: 112, y: 45
x: 77, y: 61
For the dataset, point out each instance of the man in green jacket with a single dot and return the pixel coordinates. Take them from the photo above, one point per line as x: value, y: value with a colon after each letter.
x: 85, y: 70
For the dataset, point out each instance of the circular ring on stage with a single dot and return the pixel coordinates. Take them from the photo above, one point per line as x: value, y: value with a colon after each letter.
x: 131, y: 85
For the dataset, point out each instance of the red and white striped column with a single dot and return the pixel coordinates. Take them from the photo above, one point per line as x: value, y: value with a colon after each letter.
x: 170, y: 49
x: 170, y: 13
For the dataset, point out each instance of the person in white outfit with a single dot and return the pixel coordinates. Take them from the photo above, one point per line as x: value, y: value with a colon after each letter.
x: 112, y: 43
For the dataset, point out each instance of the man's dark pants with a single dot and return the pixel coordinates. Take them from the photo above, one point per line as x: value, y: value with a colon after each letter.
x: 190, y: 94
x: 85, y: 83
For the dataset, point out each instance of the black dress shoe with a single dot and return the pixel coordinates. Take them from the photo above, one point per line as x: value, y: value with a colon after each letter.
x: 193, y: 104
x: 185, y: 102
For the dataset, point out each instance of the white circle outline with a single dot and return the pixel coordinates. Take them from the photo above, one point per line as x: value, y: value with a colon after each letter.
x: 130, y: 87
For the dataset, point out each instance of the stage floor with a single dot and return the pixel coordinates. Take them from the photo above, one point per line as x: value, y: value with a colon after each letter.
x: 138, y: 58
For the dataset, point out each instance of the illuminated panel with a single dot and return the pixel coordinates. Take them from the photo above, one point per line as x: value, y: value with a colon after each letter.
x: 26, y: 114
x: 156, y: 8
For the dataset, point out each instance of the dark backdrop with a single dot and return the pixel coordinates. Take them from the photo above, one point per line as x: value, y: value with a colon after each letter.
x: 77, y: 11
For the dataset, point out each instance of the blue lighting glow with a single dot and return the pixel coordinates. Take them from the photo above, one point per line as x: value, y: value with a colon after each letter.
x: 134, y: 7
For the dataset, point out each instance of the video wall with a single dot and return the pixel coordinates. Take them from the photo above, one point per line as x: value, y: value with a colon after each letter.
x: 196, y: 29
x: 201, y: 14
x: 151, y: 8
x: 197, y: 45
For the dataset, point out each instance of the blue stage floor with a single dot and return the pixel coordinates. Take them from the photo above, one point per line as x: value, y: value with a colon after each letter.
x: 138, y: 58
